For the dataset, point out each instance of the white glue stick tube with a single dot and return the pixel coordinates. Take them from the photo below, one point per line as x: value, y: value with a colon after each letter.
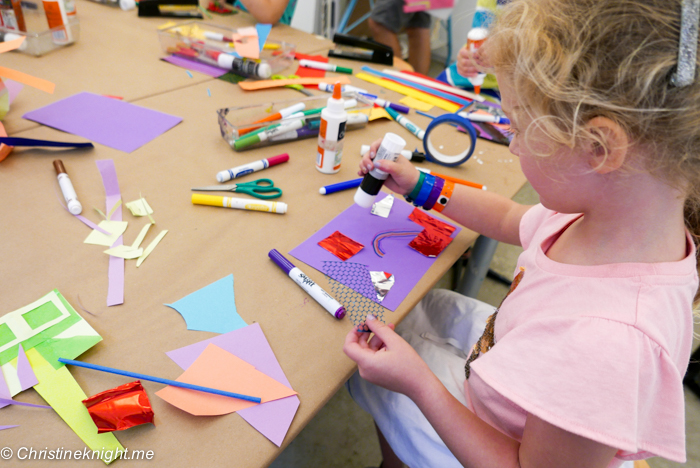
x: 372, y: 182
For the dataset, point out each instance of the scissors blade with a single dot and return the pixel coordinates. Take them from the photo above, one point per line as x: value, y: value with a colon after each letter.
x: 216, y: 188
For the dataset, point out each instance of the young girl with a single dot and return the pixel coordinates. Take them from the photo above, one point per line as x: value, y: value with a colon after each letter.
x: 582, y: 363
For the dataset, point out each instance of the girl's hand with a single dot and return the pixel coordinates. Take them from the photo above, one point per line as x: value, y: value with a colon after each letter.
x: 387, y: 359
x: 403, y: 176
x: 467, y: 62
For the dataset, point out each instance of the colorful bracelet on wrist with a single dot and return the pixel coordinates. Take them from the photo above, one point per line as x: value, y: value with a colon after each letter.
x: 425, y: 190
x: 414, y: 193
x: 434, y: 193
x: 445, y: 195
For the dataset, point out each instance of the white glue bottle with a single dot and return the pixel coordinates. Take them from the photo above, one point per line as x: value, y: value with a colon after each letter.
x: 331, y: 133
x: 390, y: 149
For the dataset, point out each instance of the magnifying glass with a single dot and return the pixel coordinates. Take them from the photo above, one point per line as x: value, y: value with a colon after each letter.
x: 449, y: 140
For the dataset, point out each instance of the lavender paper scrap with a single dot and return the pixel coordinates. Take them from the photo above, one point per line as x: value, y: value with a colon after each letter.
x: 110, y: 122
x: 273, y: 418
x: 359, y: 224
x: 204, y: 68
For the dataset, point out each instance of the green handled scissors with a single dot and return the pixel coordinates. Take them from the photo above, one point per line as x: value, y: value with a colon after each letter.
x: 261, y: 188
x: 298, y: 87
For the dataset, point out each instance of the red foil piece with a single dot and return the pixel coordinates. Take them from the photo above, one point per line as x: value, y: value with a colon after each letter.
x: 430, y: 242
x: 120, y: 408
x: 341, y: 245
x: 421, y: 217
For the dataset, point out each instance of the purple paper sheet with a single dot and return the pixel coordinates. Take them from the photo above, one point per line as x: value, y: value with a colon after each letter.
x: 273, y: 418
x: 104, y: 120
x: 407, y: 265
x: 204, y: 68
x: 115, y: 289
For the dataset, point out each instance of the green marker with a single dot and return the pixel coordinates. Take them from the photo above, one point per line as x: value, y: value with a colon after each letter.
x: 324, y: 66
x: 253, y: 139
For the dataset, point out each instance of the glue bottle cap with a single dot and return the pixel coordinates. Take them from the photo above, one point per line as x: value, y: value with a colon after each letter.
x: 336, y: 103
x: 264, y: 70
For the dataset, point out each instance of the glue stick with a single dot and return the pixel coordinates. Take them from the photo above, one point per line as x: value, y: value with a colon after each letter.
x: 57, y: 17
x: 391, y: 147
x: 331, y: 133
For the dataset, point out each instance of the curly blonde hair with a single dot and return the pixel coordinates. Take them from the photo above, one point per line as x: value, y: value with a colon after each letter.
x: 573, y: 60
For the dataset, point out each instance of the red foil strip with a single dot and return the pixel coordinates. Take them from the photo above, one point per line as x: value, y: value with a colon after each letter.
x: 421, y: 217
x: 341, y: 245
x: 120, y: 408
x: 430, y: 242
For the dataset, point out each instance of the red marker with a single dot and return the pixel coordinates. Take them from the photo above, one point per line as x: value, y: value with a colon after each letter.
x: 239, y: 171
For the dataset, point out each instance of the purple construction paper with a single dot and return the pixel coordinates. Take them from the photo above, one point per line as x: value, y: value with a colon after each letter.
x: 6, y: 401
x: 4, y: 390
x: 2, y: 428
x: 115, y: 288
x: 104, y: 120
x: 407, y: 265
x: 200, y: 67
x: 273, y: 418
x: 26, y: 376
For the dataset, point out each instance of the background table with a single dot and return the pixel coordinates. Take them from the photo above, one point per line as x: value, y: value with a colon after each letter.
x: 42, y: 245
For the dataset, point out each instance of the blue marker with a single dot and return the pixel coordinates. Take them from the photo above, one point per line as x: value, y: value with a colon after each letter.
x: 348, y: 184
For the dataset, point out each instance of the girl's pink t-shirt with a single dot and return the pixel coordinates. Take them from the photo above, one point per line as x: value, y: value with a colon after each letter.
x: 599, y: 351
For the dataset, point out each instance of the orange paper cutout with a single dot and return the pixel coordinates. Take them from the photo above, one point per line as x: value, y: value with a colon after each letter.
x: 246, y: 42
x: 28, y: 80
x: 217, y: 368
x: 4, y: 149
x: 264, y: 84
x: 11, y: 45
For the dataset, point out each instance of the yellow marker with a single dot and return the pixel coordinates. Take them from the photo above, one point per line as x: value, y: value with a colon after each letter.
x: 239, y: 203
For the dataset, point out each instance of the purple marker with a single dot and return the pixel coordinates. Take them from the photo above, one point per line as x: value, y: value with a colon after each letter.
x: 314, y: 290
x: 386, y: 104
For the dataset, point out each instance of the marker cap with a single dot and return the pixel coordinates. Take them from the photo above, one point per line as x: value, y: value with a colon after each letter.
x: 127, y: 4
x: 278, y: 159
x: 344, y: 70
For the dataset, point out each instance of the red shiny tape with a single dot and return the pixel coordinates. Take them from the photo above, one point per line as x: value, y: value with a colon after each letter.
x: 120, y: 408
x: 421, y: 217
x: 341, y: 245
x: 430, y: 242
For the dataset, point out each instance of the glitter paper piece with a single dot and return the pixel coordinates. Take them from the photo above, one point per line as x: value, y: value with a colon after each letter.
x: 341, y: 245
x: 383, y: 208
x: 430, y: 242
x: 120, y: 408
x: 427, y: 221
x: 356, y: 307
x: 376, y: 242
x: 353, y: 275
x: 688, y: 44
x: 382, y: 282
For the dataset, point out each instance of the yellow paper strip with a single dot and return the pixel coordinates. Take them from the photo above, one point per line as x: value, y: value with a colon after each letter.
x: 378, y: 113
x: 11, y: 45
x: 28, y: 80
x: 264, y: 84
x: 420, y: 95
x: 150, y: 247
x: 62, y: 392
x: 141, y: 236
x: 124, y: 251
x: 414, y: 103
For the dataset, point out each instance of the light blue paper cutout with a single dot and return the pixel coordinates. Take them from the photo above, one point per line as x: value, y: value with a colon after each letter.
x: 263, y: 32
x: 212, y: 308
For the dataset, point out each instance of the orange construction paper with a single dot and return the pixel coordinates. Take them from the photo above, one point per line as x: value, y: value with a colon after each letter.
x: 28, y: 80
x: 216, y: 368
x: 4, y: 149
x: 265, y: 84
x: 11, y: 45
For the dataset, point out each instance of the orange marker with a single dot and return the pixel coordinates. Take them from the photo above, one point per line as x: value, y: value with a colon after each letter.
x: 453, y: 179
x: 283, y: 113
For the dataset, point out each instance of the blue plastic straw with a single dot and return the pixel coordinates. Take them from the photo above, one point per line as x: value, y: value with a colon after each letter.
x: 174, y: 383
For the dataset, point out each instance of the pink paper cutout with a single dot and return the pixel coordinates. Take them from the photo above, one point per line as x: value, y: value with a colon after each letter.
x: 115, y: 290
x: 26, y: 376
x: 247, y: 43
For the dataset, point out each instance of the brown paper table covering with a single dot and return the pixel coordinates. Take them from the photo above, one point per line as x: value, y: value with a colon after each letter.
x: 42, y: 248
